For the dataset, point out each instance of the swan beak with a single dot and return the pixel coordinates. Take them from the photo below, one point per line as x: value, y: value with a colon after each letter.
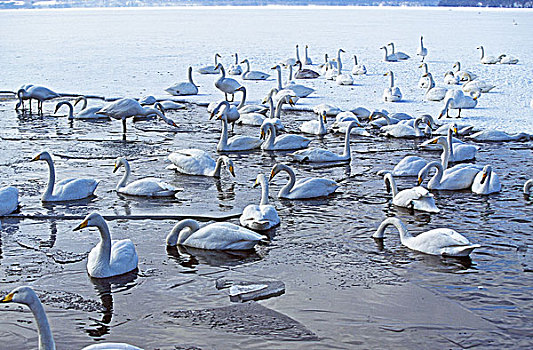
x: 324, y: 118
x: 37, y: 157
x: 256, y: 183
x: 8, y: 298
x: 272, y: 174
x: 455, y: 130
x: 231, y: 170
x: 483, y: 177
x: 262, y: 135
x: 425, y: 75
x: 211, y: 115
x: 273, y: 67
x: 440, y: 115
x: 385, y: 74
x: 434, y: 141
x: 80, y: 226
x: 115, y: 169
x: 419, y: 181
x: 291, y: 102
x: 420, y: 66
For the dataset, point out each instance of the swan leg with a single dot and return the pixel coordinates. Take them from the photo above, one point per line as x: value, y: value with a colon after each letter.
x: 124, y: 129
x: 459, y: 115
x: 30, y: 105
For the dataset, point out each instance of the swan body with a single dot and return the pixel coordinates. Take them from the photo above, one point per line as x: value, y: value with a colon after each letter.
x: 235, y: 143
x: 41, y: 94
x: 235, y: 69
x: 454, y: 152
x: 441, y: 241
x: 64, y: 190
x: 172, y: 106
x: 392, y: 93
x: 263, y: 216
x: 417, y: 198
x: 343, y: 121
x: 409, y: 166
x: 108, y: 258
x: 387, y: 57
x: 147, y: 187
x: 227, y: 85
x: 422, y: 51
x: 434, y: 93
x: 320, y: 155
x: 284, y: 142
x: 463, y: 75
x: 506, y: 59
x: 477, y: 85
x: 459, y: 177
x: 216, y: 236
x: 9, y: 200
x: 342, y: 78
x: 315, y: 127
x: 310, y: 187
x: 184, y: 88
x: 400, y: 55
x: 26, y: 296
x: 358, y: 69
x: 378, y: 120
x: 194, y: 161
x: 403, y: 130
x: 423, y: 83
x: 253, y: 74
x: 498, y: 136
x: 305, y: 73
x: 298, y: 90
x: 451, y: 79
x: 330, y: 110
x: 88, y: 113
x: 210, y: 69
x: 257, y: 119
x: 486, y: 59
x: 486, y: 182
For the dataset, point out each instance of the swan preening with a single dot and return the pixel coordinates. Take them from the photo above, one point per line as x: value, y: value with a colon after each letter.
x: 216, y: 236
x: 417, y: 198
x: 263, y: 216
x: 197, y: 162
x: 108, y: 258
x: 64, y: 190
x: 309, y: 187
x: 26, y: 296
x: 184, y: 88
x: 441, y: 241
x: 146, y: 187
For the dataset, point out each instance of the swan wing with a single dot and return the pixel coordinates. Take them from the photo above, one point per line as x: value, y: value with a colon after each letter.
x: 409, y: 166
x: 72, y: 189
x: 123, y: 257
x: 192, y: 161
x: 111, y: 346
x: 316, y: 155
x: 243, y: 143
x: 289, y: 141
x: 312, y: 187
x: 150, y: 187
x: 221, y: 236
x: 442, y: 241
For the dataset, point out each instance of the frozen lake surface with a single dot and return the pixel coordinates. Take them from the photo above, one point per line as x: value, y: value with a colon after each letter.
x: 342, y: 289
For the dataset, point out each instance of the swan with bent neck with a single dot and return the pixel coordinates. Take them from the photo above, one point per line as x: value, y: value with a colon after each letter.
x: 310, y: 187
x: 486, y: 181
x: 417, y: 198
x: 263, y: 216
x: 67, y: 189
x: 459, y: 177
x: 441, y: 241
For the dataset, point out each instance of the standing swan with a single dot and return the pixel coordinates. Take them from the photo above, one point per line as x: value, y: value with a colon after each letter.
x: 65, y: 190
x: 309, y: 187
x: 263, y: 216
x: 39, y: 93
x: 194, y: 161
x: 227, y: 85
x: 392, y: 93
x: 108, y: 258
x: 216, y: 236
x: 422, y: 51
x: 318, y: 155
x: 440, y: 241
x: 417, y: 198
x: 26, y: 296
x: 210, y: 69
x: 147, y: 187
x: 486, y: 182
x: 184, y: 88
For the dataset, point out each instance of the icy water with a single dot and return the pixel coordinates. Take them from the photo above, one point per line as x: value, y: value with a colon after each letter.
x: 343, y: 289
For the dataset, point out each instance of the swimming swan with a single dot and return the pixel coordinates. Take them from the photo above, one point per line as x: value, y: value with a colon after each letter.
x: 392, y: 93
x: 194, y: 161
x: 309, y: 187
x: 284, y: 142
x: 263, y: 216
x: 64, y: 190
x: 146, y: 187
x: 486, y: 181
x: 459, y: 177
x: 184, y: 88
x: 216, y: 236
x: 26, y: 296
x: 108, y: 258
x: 315, y: 127
x: 235, y: 143
x: 417, y: 198
x: 498, y: 136
x: 440, y: 241
x: 319, y: 155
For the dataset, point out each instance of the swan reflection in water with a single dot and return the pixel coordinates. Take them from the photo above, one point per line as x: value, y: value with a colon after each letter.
x: 105, y: 287
x: 191, y: 257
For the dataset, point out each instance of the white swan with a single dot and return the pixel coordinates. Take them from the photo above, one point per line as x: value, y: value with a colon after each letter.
x: 308, y: 60
x: 210, y: 69
x: 460, y: 102
x: 462, y: 74
x: 284, y: 142
x: 194, y: 161
x: 403, y: 130
x: 451, y: 79
x: 498, y: 136
x: 459, y: 177
x: 387, y: 57
x: 146, y: 187
x: 320, y: 155
x: 39, y: 93
x: 235, y: 143
x: 290, y: 61
x: 343, y: 121
x: 434, y: 93
x: 423, y: 82
x: 358, y: 69
x: 253, y: 74
x: 235, y: 69
x: 232, y: 112
x: 455, y: 152
x: 258, y: 119
x: 108, y: 258
x: 227, y: 85
x: 486, y: 59
x: 216, y: 236
x: 184, y: 88
x: 263, y: 216
x: 417, y: 198
x: 89, y: 114
x: 486, y: 181
x: 462, y: 130
x: 392, y: 93
x: 306, y: 73
x: 475, y: 85
x: 26, y: 296
x: 422, y: 51
x: 330, y: 110
x: 440, y: 241
x: 527, y: 187
x: 128, y: 108
x: 297, y: 89
x: 400, y: 55
x: 9, y: 200
x: 309, y: 187
x: 315, y: 127
x: 379, y: 119
x: 64, y: 190
x: 507, y: 59
x: 342, y: 78
x: 172, y: 106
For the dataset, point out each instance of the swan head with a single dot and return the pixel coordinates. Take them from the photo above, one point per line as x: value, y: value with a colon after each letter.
x: 275, y: 170
x: 42, y: 156
x: 388, y: 73
x: 21, y: 295
x: 93, y: 219
x: 217, y: 109
x: 218, y: 55
x: 277, y: 67
x: 218, y: 66
x: 501, y: 56
x: 479, y: 47
x: 382, y: 48
x: 375, y: 115
x: 260, y: 178
x: 229, y: 165
x: 244, y: 61
x: 341, y: 51
x: 118, y: 163
x: 487, y: 170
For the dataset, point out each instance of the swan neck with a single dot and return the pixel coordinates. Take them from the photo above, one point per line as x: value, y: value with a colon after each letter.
x: 391, y: 79
x: 84, y: 102
x: 46, y: 339
x: 270, y: 136
x: 392, y: 183
x: 347, y: 149
x: 236, y: 59
x: 190, y: 76
x: 306, y: 55
x: 243, y: 100
x: 264, y: 191
x: 290, y: 72
x: 437, y: 178
x: 280, y: 85
x: 125, y: 177
x: 218, y: 167
x: 297, y: 54
x: 277, y: 113
x: 339, y: 62
x: 285, y: 190
x: 104, y: 247
x: 271, y: 103
x: 355, y: 59
x: 51, y: 179
x: 404, y: 233
x: 178, y: 235
x: 247, y: 66
x: 223, y: 143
